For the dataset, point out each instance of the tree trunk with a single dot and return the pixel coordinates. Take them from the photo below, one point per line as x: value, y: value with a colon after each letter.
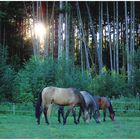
x: 46, y: 50
x: 83, y: 38
x: 60, y: 30
x: 127, y: 45
x: 114, y: 40
x: 100, y: 37
x: 109, y: 39
x: 81, y: 55
x: 67, y: 31
x: 117, y: 39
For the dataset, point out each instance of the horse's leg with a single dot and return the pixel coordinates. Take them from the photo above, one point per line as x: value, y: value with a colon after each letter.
x: 104, y: 114
x: 78, y: 119
x: 62, y: 113
x: 45, y: 114
x: 65, y: 118
x: 59, y: 119
x: 90, y: 113
x: 74, y: 116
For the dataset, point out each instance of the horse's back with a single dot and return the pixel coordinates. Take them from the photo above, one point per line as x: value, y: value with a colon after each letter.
x: 105, y: 102
x: 88, y: 98
x: 102, y: 102
x: 61, y: 96
x: 86, y: 95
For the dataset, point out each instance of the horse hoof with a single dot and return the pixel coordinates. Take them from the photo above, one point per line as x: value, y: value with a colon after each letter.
x: 38, y: 123
x: 78, y: 122
x: 97, y: 121
x: 64, y: 123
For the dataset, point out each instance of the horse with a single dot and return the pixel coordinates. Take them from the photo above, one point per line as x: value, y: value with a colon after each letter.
x: 91, y: 106
x: 70, y: 97
x: 104, y: 103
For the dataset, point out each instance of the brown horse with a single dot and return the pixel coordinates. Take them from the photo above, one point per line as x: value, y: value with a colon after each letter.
x: 61, y: 96
x: 104, y: 103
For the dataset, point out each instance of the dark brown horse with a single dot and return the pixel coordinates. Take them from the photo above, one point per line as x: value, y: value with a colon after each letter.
x: 61, y: 96
x: 104, y: 103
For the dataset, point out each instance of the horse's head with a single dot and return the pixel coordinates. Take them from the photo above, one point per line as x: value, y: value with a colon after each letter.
x: 96, y: 116
x: 112, y: 116
x: 86, y: 116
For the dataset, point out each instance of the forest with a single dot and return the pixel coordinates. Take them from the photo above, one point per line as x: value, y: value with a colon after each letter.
x: 88, y: 45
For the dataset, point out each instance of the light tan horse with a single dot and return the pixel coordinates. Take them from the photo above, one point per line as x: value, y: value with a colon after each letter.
x: 61, y: 96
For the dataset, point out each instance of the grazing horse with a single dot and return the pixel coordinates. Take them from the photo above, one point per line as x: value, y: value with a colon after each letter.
x: 104, y: 103
x: 91, y: 106
x: 61, y: 96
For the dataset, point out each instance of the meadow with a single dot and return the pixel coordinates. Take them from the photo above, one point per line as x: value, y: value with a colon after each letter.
x: 24, y: 126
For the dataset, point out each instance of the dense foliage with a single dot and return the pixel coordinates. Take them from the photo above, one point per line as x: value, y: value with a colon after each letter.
x: 136, y: 71
x: 7, y: 76
x: 37, y: 73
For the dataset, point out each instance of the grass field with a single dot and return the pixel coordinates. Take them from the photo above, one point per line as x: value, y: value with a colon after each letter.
x: 24, y: 126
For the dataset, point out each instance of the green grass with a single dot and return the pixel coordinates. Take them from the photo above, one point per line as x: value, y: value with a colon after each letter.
x: 24, y: 126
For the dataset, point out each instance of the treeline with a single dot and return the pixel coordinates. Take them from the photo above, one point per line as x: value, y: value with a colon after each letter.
x: 37, y: 73
x: 92, y: 46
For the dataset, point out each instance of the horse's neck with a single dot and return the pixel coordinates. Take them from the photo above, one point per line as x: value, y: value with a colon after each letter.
x: 82, y: 104
x: 110, y: 108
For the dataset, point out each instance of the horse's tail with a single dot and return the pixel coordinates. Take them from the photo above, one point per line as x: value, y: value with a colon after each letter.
x: 38, y: 105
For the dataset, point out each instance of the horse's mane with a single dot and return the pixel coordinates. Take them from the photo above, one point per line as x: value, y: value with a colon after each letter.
x: 110, y: 107
x: 83, y: 103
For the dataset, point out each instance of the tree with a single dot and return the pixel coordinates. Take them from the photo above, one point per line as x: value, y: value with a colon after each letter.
x: 109, y: 38
x: 67, y: 30
x: 127, y: 45
x: 100, y: 37
x: 60, y: 28
x: 117, y: 39
x: 83, y: 38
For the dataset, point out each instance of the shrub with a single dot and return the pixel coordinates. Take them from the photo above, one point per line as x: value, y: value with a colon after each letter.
x: 39, y: 73
x: 136, y: 71
x: 109, y: 84
x: 7, y: 76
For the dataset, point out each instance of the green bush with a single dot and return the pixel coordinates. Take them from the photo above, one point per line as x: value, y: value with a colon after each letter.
x: 7, y: 76
x: 136, y: 71
x: 38, y: 73
x: 109, y: 84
